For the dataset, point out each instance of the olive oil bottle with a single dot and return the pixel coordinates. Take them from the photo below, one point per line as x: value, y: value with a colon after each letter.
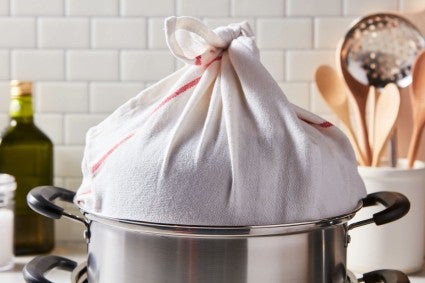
x: 27, y: 154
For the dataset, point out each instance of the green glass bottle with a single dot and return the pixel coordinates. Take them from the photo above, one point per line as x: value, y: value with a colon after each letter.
x: 27, y: 154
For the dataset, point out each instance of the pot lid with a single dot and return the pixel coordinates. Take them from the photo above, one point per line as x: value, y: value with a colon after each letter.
x: 222, y: 231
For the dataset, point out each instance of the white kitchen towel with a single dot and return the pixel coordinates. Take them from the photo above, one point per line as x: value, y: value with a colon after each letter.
x: 217, y: 143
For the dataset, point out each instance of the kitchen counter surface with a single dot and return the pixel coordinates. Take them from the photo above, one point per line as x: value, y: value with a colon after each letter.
x: 77, y: 252
x: 74, y: 251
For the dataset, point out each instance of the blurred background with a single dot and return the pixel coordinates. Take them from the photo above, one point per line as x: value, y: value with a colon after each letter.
x: 87, y: 57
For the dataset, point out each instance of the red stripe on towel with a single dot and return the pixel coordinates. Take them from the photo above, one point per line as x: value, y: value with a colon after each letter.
x: 178, y: 92
x: 218, y: 58
x: 182, y: 89
x: 85, y: 192
x: 185, y: 87
x: 325, y: 124
x: 96, y: 166
x: 198, y: 60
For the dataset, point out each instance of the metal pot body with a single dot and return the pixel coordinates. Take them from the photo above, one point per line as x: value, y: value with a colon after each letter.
x: 132, y: 251
x: 120, y: 254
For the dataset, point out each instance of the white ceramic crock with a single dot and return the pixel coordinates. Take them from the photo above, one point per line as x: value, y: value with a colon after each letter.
x: 399, y: 244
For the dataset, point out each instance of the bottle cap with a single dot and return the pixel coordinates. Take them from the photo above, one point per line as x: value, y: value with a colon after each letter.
x: 20, y: 88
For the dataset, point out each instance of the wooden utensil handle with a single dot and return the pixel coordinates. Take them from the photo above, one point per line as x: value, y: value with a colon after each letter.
x: 414, y: 144
x: 355, y: 144
x: 365, y: 140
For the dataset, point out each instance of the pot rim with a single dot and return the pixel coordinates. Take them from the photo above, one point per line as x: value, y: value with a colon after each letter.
x: 222, y: 231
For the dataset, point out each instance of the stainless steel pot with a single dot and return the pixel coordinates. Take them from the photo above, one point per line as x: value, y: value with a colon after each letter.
x: 130, y: 251
x: 79, y: 273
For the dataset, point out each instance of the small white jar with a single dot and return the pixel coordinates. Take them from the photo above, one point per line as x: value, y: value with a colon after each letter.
x: 7, y: 194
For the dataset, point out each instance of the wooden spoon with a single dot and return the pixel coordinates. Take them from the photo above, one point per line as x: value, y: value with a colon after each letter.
x: 359, y: 92
x: 386, y: 113
x: 334, y: 93
x: 418, y: 106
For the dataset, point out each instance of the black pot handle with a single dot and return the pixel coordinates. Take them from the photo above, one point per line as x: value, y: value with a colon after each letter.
x: 385, y: 275
x: 35, y: 269
x: 396, y: 206
x: 40, y: 199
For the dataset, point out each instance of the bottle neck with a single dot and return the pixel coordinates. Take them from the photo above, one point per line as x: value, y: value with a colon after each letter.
x: 21, y: 110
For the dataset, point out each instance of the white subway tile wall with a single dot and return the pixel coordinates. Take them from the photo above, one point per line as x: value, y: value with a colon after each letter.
x: 217, y: 8
x: 91, y: 8
x: 314, y: 7
x: 156, y: 35
x: 104, y: 97
x: 146, y: 65
x: 4, y: 64
x: 119, y: 33
x: 4, y: 98
x: 285, y: 33
x: 360, y: 7
x: 274, y: 61
x: 218, y: 21
x: 327, y: 31
x: 63, y: 33
x: 77, y: 125
x: 258, y: 8
x: 62, y: 97
x: 148, y: 8
x: 87, y: 65
x: 17, y: 32
x: 297, y: 93
x: 52, y: 124
x: 67, y: 159
x: 86, y: 58
x: 38, y: 8
x: 37, y: 64
x: 301, y: 64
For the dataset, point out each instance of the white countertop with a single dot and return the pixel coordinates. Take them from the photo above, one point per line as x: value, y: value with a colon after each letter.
x: 74, y: 251
x: 77, y: 252
x: 418, y: 277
